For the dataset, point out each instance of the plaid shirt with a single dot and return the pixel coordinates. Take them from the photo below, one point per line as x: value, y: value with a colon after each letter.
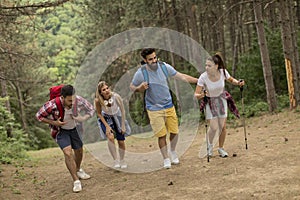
x: 230, y: 102
x: 49, y: 110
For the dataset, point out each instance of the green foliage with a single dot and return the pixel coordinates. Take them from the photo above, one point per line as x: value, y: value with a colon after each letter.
x: 283, y: 101
x: 61, y: 41
x: 250, y: 68
x: 11, y: 148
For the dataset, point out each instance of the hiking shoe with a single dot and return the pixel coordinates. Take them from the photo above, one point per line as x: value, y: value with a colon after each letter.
x: 174, y: 158
x: 82, y: 175
x: 77, y: 186
x: 117, y: 164
x: 123, y: 164
x: 222, y: 153
x: 167, y: 163
x: 210, y: 150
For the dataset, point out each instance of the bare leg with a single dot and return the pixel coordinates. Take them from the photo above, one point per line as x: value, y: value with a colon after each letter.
x: 78, y: 157
x: 112, y: 148
x: 162, y: 143
x: 173, y: 141
x: 213, y: 128
x: 223, y: 133
x: 70, y: 162
x: 121, y: 149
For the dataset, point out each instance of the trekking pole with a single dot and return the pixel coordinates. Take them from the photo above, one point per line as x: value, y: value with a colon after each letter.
x: 206, y: 135
x: 243, y: 113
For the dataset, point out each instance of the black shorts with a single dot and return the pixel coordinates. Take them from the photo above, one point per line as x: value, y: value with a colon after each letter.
x: 69, y: 137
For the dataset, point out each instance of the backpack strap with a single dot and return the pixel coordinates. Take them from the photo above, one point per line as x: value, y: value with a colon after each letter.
x: 146, y: 78
x: 60, y: 108
x: 145, y: 73
x: 162, y: 66
x: 164, y: 69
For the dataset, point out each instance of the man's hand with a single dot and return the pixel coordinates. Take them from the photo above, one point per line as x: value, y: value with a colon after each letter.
x: 58, y: 122
x: 80, y: 118
x: 143, y: 86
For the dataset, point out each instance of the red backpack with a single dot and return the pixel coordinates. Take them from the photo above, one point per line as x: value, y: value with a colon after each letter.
x: 55, y: 93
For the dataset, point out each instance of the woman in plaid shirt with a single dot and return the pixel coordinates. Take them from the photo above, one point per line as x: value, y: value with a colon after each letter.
x: 211, y: 86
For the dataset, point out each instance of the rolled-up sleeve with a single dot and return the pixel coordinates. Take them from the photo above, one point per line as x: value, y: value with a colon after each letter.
x: 88, y: 107
x: 44, y: 111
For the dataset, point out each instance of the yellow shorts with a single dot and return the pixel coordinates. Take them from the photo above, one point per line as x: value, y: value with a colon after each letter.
x: 163, y: 121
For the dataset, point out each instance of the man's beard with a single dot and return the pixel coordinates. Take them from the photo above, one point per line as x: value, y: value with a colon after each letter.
x: 153, y: 66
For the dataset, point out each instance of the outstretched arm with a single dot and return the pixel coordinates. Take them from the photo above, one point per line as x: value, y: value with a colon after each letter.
x: 185, y: 77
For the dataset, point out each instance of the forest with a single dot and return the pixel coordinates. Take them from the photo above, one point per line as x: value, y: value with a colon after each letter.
x: 46, y: 42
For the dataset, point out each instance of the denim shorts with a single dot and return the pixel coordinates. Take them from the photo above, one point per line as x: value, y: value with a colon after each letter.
x: 69, y: 137
x: 111, y: 122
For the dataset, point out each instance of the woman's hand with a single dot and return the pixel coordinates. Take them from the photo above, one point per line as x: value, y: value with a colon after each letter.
x: 241, y: 83
x: 109, y: 133
x: 201, y: 95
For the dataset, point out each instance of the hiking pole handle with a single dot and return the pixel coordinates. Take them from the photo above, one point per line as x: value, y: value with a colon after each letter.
x: 241, y: 87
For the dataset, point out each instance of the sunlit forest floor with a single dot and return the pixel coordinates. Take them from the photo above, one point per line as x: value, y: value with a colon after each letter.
x: 269, y: 169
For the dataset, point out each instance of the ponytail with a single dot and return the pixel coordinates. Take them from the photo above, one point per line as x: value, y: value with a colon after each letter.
x: 217, y: 58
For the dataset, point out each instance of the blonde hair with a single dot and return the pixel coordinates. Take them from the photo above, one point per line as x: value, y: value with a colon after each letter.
x: 98, y: 92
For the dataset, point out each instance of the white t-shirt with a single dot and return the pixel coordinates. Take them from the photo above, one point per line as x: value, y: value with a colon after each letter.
x: 216, y: 88
x: 114, y: 108
x: 69, y: 119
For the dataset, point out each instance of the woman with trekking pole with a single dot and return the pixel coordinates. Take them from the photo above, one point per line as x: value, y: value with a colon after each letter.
x: 211, y: 84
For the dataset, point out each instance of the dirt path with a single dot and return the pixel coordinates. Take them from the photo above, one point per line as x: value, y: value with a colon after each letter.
x: 269, y: 169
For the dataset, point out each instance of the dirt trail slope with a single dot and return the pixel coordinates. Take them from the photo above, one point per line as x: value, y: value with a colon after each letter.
x: 269, y: 169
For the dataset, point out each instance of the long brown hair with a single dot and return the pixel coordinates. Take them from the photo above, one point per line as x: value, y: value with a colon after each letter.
x: 98, y: 92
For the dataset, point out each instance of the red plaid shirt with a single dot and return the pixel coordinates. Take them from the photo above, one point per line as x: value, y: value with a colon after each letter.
x: 49, y: 110
x: 230, y: 103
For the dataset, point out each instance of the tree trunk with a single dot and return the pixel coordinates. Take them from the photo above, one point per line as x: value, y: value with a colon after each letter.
x: 237, y: 39
x: 21, y: 106
x: 267, y: 71
x: 298, y: 11
x: 7, y: 105
x: 287, y: 42
x: 191, y: 18
x: 293, y: 21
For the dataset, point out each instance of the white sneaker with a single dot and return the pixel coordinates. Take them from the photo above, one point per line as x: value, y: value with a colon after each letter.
x: 174, y: 158
x: 167, y: 163
x: 77, y: 186
x: 222, y: 153
x: 210, y: 150
x: 117, y: 164
x: 82, y: 175
x: 123, y: 164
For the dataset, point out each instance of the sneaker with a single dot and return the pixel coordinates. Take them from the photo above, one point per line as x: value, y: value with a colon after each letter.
x: 167, y: 163
x: 174, y: 158
x: 82, y: 175
x: 222, y: 153
x: 123, y: 164
x: 77, y: 186
x: 117, y: 164
x: 210, y: 150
